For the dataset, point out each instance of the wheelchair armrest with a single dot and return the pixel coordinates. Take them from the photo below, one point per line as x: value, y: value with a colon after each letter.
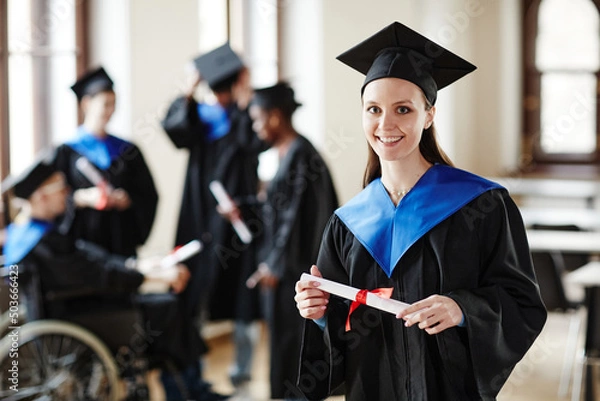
x: 61, y: 295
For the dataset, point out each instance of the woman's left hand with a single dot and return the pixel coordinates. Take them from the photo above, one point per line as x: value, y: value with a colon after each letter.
x: 231, y: 214
x: 433, y: 314
x: 263, y: 277
x: 118, y: 199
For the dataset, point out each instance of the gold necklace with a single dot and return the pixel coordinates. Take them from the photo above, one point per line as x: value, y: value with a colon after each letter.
x: 400, y: 194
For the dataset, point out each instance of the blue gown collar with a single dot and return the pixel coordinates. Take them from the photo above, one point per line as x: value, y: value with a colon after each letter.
x: 216, y: 119
x: 101, y: 152
x: 22, y: 238
x: 387, y: 231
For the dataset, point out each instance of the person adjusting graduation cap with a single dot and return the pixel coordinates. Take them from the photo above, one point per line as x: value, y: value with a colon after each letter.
x: 299, y: 201
x: 446, y: 241
x: 222, y: 147
x: 114, y: 191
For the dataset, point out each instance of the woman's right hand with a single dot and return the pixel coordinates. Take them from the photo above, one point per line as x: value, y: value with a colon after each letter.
x: 230, y: 214
x: 181, y: 279
x: 310, y: 301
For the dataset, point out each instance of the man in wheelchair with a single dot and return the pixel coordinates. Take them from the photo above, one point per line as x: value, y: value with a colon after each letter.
x: 81, y: 283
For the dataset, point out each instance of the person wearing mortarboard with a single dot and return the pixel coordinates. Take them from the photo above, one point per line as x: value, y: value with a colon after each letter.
x: 50, y: 261
x: 222, y: 147
x: 116, y: 212
x: 446, y: 241
x: 299, y: 201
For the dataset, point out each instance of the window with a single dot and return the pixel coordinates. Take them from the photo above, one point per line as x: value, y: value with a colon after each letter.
x: 562, y: 62
x: 41, y: 52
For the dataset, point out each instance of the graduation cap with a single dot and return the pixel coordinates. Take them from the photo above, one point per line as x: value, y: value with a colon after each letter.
x: 279, y: 96
x: 218, y: 65
x: 92, y: 83
x: 399, y: 52
x: 24, y: 184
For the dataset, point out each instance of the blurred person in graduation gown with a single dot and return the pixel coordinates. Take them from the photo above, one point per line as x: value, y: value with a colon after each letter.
x: 117, y: 213
x: 299, y: 201
x: 86, y: 278
x: 222, y: 147
x: 448, y: 242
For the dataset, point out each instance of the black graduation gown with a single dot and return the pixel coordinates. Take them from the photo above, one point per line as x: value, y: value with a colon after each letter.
x: 478, y: 255
x: 300, y: 199
x: 219, y: 271
x: 119, y: 232
x: 83, y: 283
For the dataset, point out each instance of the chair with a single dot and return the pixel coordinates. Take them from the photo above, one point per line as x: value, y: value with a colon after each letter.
x: 571, y: 260
x: 549, y: 268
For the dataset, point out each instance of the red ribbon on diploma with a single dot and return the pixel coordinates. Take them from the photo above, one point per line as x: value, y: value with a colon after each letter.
x: 361, y: 299
x: 103, y: 199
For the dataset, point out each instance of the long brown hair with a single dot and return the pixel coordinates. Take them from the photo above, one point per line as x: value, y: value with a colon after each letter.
x: 429, y: 148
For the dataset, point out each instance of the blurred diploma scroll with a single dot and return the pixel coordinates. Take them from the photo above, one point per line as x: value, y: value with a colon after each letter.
x: 180, y: 254
x: 227, y: 205
x: 92, y: 174
x: 347, y: 292
x: 164, y: 267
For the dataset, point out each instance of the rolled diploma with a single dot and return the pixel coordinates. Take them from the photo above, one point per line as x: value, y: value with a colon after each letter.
x: 347, y: 292
x: 181, y: 254
x: 227, y: 204
x: 91, y: 173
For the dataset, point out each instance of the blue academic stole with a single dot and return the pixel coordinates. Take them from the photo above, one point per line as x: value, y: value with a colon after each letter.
x: 22, y: 238
x: 216, y: 120
x: 388, y: 231
x: 101, y: 152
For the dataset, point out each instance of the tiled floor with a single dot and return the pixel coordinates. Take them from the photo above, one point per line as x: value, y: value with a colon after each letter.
x: 535, y: 378
x: 217, y: 364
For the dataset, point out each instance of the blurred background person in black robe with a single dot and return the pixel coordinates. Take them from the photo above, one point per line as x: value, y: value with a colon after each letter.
x: 448, y: 242
x: 118, y: 212
x: 222, y: 147
x: 299, y: 201
x: 82, y: 283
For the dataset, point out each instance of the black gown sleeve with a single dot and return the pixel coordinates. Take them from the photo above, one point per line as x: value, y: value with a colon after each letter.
x: 143, y: 194
x: 322, y: 368
x: 88, y: 269
x: 504, y: 314
x: 182, y: 123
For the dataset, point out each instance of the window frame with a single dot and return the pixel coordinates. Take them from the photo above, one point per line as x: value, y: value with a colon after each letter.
x: 532, y: 155
x: 81, y: 56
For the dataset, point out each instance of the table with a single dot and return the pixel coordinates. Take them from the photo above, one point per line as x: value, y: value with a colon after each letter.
x: 587, y: 242
x: 586, y: 219
x: 587, y: 190
x: 588, y: 276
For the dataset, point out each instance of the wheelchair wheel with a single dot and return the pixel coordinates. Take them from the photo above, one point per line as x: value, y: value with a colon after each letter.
x: 54, y: 360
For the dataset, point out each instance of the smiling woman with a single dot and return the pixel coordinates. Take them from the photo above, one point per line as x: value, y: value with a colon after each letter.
x: 446, y: 241
x: 395, y: 115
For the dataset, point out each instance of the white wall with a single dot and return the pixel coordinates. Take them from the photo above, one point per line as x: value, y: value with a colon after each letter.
x: 110, y: 47
x: 145, y: 44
